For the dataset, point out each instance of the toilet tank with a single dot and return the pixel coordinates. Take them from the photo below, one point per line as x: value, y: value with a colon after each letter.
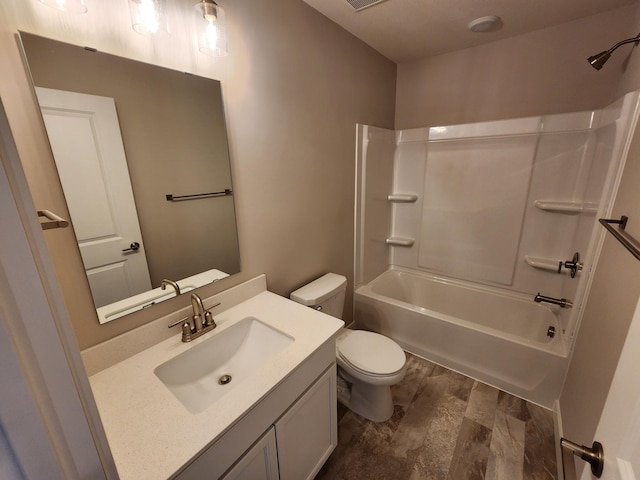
x: 325, y: 294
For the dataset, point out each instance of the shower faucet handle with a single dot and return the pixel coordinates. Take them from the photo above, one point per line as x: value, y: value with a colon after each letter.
x: 574, y: 265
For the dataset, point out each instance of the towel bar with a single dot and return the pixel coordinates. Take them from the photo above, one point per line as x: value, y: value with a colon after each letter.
x: 174, y: 198
x: 53, y: 220
x: 624, y: 238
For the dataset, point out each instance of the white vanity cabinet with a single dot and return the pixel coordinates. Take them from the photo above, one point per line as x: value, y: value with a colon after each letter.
x: 260, y: 462
x: 295, y: 426
x: 308, y: 432
x: 305, y: 437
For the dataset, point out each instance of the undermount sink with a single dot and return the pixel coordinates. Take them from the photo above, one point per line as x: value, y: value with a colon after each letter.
x: 207, y: 371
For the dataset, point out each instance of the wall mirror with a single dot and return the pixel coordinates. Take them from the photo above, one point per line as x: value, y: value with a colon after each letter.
x: 143, y: 159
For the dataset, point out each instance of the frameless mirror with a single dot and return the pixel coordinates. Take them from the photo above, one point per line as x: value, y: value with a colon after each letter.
x: 143, y: 160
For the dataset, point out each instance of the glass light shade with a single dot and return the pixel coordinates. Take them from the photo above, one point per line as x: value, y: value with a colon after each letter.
x: 211, y: 29
x: 149, y: 18
x: 71, y: 6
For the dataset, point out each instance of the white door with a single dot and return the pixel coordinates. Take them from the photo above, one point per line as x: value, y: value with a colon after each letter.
x: 87, y: 145
x: 619, y: 426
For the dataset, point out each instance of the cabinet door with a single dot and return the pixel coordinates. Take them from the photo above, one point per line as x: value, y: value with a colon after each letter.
x: 260, y: 462
x: 308, y: 432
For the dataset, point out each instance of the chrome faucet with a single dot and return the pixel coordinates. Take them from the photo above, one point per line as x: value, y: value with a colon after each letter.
x: 175, y: 286
x: 202, y: 320
x: 562, y: 302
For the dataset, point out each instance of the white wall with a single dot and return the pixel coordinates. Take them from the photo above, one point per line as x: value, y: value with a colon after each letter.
x: 546, y: 72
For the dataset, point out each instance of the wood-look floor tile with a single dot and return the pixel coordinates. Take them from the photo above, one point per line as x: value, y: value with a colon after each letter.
x: 513, y: 406
x: 482, y: 404
x: 350, y: 430
x: 540, y: 453
x: 404, y: 391
x: 472, y: 451
x: 369, y: 456
x: 445, y: 426
x: 506, y: 460
x: 434, y: 457
x: 417, y: 420
x: 459, y: 385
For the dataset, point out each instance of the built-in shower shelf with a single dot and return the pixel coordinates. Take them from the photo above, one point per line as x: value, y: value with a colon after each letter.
x: 400, y: 241
x: 542, y: 263
x: 566, y: 207
x: 402, y: 198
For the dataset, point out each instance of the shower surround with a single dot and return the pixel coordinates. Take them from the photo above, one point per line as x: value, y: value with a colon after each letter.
x: 459, y: 227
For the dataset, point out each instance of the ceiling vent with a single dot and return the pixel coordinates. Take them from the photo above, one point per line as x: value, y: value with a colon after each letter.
x: 362, y: 4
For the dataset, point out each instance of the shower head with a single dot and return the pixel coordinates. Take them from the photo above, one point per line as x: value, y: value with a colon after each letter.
x: 599, y: 59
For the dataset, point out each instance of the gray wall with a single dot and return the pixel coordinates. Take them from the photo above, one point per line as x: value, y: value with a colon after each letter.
x: 542, y: 72
x: 294, y: 84
x: 174, y: 135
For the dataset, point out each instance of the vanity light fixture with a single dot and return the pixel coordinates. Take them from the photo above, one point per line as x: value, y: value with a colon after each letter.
x: 149, y: 18
x: 71, y: 6
x: 211, y: 29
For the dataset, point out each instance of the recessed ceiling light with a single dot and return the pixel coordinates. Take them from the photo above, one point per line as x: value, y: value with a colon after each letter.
x: 485, y: 24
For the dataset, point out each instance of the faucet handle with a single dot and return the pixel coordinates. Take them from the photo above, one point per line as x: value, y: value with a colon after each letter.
x: 186, y: 328
x: 182, y: 321
x: 574, y: 265
x: 208, y: 319
x: 208, y: 316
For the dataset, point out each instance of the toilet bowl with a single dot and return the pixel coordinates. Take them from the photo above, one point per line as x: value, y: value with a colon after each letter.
x: 368, y: 363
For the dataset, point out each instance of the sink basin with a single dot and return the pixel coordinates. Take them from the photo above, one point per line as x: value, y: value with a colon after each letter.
x: 204, y: 373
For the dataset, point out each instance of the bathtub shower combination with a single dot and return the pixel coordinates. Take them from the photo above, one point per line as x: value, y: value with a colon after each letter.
x: 459, y: 228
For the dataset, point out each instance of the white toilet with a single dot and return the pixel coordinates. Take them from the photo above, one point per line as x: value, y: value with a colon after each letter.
x: 368, y: 363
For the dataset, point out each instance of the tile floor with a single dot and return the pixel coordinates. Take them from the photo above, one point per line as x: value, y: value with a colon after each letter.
x: 445, y: 427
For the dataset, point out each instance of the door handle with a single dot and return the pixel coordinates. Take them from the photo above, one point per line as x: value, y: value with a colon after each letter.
x: 133, y: 247
x: 593, y: 456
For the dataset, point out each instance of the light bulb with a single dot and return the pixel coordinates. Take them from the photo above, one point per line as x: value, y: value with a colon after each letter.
x: 148, y: 17
x: 71, y: 6
x: 212, y: 34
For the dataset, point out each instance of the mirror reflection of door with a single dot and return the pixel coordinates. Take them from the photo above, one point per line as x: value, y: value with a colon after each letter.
x: 87, y: 146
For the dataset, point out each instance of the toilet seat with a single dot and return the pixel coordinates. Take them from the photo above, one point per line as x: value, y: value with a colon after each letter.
x: 370, y: 353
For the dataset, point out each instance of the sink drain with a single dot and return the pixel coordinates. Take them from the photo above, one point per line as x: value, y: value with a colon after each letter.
x: 224, y: 379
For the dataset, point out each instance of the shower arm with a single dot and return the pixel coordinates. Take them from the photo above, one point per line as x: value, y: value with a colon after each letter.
x: 635, y: 39
x: 599, y: 59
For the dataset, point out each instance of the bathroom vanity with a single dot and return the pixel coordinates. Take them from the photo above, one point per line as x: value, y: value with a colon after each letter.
x: 275, y: 419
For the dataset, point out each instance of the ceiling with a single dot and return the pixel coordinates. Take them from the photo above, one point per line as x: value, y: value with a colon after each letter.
x: 409, y: 30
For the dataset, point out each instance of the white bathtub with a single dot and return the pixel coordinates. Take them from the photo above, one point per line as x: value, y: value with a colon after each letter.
x: 500, y: 339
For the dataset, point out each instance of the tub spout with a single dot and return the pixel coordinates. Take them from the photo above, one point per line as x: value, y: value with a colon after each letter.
x: 562, y: 302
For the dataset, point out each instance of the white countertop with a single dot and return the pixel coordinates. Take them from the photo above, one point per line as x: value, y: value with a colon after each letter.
x: 151, y: 434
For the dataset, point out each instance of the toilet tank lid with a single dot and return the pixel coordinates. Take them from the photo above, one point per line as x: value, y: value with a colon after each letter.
x: 319, y: 290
